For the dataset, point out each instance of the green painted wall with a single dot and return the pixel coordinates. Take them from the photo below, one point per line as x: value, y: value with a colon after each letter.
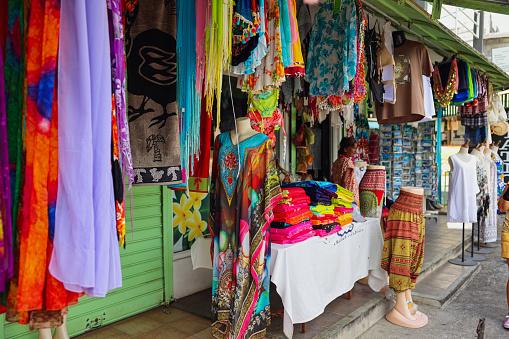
x: 147, y: 269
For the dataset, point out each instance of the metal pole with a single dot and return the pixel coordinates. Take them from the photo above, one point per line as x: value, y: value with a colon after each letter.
x: 463, y: 244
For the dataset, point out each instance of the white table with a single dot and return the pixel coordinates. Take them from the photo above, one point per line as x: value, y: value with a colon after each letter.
x: 311, y: 274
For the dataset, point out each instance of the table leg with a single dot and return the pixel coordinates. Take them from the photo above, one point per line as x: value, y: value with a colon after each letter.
x: 349, y: 295
x: 304, y: 329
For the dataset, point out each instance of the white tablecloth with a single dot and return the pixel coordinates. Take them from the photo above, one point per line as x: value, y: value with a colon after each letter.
x: 311, y: 274
x: 200, y: 253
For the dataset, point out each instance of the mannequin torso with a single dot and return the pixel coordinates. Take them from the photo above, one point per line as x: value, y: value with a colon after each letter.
x: 487, y: 152
x: 462, y: 155
x: 360, y: 164
x: 413, y: 190
x: 243, y: 132
x: 494, y: 149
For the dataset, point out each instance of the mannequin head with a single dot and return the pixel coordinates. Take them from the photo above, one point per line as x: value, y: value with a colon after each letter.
x: 348, y: 147
x: 399, y: 38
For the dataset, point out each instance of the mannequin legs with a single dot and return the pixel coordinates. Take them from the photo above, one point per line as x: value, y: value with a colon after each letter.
x: 401, y: 305
x: 401, y: 315
x: 60, y: 332
x: 45, y: 333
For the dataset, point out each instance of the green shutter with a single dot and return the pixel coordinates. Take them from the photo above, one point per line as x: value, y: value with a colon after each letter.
x: 143, y: 267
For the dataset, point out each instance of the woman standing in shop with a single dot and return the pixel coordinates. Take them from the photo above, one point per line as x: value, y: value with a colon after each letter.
x: 343, y: 172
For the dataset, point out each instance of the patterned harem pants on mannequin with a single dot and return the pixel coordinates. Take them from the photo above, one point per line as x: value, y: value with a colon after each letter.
x: 403, y: 251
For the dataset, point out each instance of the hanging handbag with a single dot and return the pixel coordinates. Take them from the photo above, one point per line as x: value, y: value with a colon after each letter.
x: 371, y: 45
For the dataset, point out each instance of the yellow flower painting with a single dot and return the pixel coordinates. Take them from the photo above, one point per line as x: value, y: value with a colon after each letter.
x: 190, y: 218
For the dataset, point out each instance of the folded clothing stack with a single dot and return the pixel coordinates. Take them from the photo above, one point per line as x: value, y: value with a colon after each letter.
x: 292, y: 217
x: 331, y: 205
x: 311, y: 208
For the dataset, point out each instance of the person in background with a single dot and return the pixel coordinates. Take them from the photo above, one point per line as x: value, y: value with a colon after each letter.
x: 343, y: 172
x: 503, y: 206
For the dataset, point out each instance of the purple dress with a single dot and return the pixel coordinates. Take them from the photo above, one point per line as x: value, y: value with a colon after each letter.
x: 86, y: 256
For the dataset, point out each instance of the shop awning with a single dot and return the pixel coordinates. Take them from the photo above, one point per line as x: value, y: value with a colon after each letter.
x: 493, y: 6
x: 410, y: 17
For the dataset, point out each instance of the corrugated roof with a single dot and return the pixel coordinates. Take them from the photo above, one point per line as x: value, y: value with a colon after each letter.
x: 435, y: 35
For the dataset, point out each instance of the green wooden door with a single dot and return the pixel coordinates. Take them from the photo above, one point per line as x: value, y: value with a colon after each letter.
x: 146, y: 269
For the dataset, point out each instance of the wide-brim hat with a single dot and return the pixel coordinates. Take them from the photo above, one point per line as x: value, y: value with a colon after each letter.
x: 500, y: 128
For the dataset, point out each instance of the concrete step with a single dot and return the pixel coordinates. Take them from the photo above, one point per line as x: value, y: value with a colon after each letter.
x: 442, y: 284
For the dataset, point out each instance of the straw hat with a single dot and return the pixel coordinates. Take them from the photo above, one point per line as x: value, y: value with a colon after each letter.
x: 500, y: 128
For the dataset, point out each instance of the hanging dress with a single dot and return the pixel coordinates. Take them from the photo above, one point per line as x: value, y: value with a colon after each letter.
x: 332, y: 54
x: 483, y: 201
x: 85, y: 227
x: 243, y: 191
x: 35, y: 296
x: 491, y: 231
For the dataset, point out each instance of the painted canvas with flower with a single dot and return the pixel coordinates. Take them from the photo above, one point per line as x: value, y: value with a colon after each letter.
x: 190, y: 216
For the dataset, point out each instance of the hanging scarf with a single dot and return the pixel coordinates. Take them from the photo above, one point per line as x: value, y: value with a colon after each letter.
x: 119, y: 83
x: 198, y: 180
x: 37, y: 289
x: 218, y: 50
x: 188, y: 100
x: 444, y: 96
x: 121, y: 159
x: 202, y: 15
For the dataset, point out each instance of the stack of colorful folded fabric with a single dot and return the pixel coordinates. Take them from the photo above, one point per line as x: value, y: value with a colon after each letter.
x: 343, y: 205
x: 292, y: 217
x: 328, y: 217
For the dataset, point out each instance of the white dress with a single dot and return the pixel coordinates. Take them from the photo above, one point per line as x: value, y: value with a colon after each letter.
x: 461, y: 206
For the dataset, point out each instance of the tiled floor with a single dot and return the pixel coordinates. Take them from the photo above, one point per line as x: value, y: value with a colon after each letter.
x: 168, y: 323
x: 190, y: 317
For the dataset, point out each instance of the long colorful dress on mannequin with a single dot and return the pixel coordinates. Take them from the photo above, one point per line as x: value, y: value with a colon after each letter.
x: 85, y: 227
x: 243, y: 191
x: 483, y: 201
x: 35, y: 296
x: 500, y: 173
x: 491, y: 232
x: 403, y: 252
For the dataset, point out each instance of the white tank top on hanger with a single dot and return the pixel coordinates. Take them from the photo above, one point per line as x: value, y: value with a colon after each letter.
x: 461, y: 203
